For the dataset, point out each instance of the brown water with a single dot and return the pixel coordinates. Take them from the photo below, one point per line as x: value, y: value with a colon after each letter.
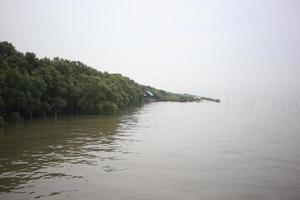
x: 160, y: 151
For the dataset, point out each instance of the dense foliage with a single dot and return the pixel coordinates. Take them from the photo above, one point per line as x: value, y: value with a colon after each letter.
x: 32, y: 87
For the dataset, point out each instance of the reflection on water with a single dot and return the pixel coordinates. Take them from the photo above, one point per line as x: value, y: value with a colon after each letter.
x: 160, y: 151
x: 45, y: 149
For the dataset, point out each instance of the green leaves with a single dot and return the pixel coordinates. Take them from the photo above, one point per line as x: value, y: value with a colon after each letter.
x: 32, y: 87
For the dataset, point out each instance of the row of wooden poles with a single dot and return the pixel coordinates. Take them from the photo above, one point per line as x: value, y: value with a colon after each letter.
x: 276, y: 104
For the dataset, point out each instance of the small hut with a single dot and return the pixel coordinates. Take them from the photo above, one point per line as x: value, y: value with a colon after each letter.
x: 148, y: 94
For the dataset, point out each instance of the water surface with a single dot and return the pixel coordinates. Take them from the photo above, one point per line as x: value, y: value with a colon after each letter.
x: 160, y: 151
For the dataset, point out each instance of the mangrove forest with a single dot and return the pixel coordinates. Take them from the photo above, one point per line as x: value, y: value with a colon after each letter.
x: 31, y: 87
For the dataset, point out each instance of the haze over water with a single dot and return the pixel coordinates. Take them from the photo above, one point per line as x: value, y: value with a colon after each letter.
x: 245, y: 148
x: 158, y: 151
x: 203, y: 47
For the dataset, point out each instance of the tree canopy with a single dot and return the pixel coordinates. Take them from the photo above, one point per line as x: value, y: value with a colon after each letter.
x: 33, y: 87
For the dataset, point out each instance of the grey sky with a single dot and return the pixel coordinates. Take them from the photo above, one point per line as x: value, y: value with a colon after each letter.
x: 213, y: 48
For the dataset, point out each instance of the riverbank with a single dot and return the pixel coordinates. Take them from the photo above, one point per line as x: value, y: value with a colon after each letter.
x: 36, y: 88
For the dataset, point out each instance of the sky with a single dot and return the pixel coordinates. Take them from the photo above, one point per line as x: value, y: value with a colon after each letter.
x: 203, y: 47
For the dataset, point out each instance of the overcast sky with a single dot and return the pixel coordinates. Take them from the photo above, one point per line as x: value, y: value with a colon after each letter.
x: 205, y: 47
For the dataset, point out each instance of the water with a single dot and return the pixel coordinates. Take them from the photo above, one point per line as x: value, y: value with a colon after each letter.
x: 160, y: 151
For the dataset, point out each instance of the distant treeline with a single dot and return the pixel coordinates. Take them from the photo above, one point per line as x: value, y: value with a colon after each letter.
x: 33, y: 87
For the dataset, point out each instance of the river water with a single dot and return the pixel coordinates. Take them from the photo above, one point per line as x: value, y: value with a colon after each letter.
x: 158, y: 151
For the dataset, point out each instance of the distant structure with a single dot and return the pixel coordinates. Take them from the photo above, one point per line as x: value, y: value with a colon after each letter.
x: 149, y: 97
x: 148, y: 94
x: 201, y: 99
